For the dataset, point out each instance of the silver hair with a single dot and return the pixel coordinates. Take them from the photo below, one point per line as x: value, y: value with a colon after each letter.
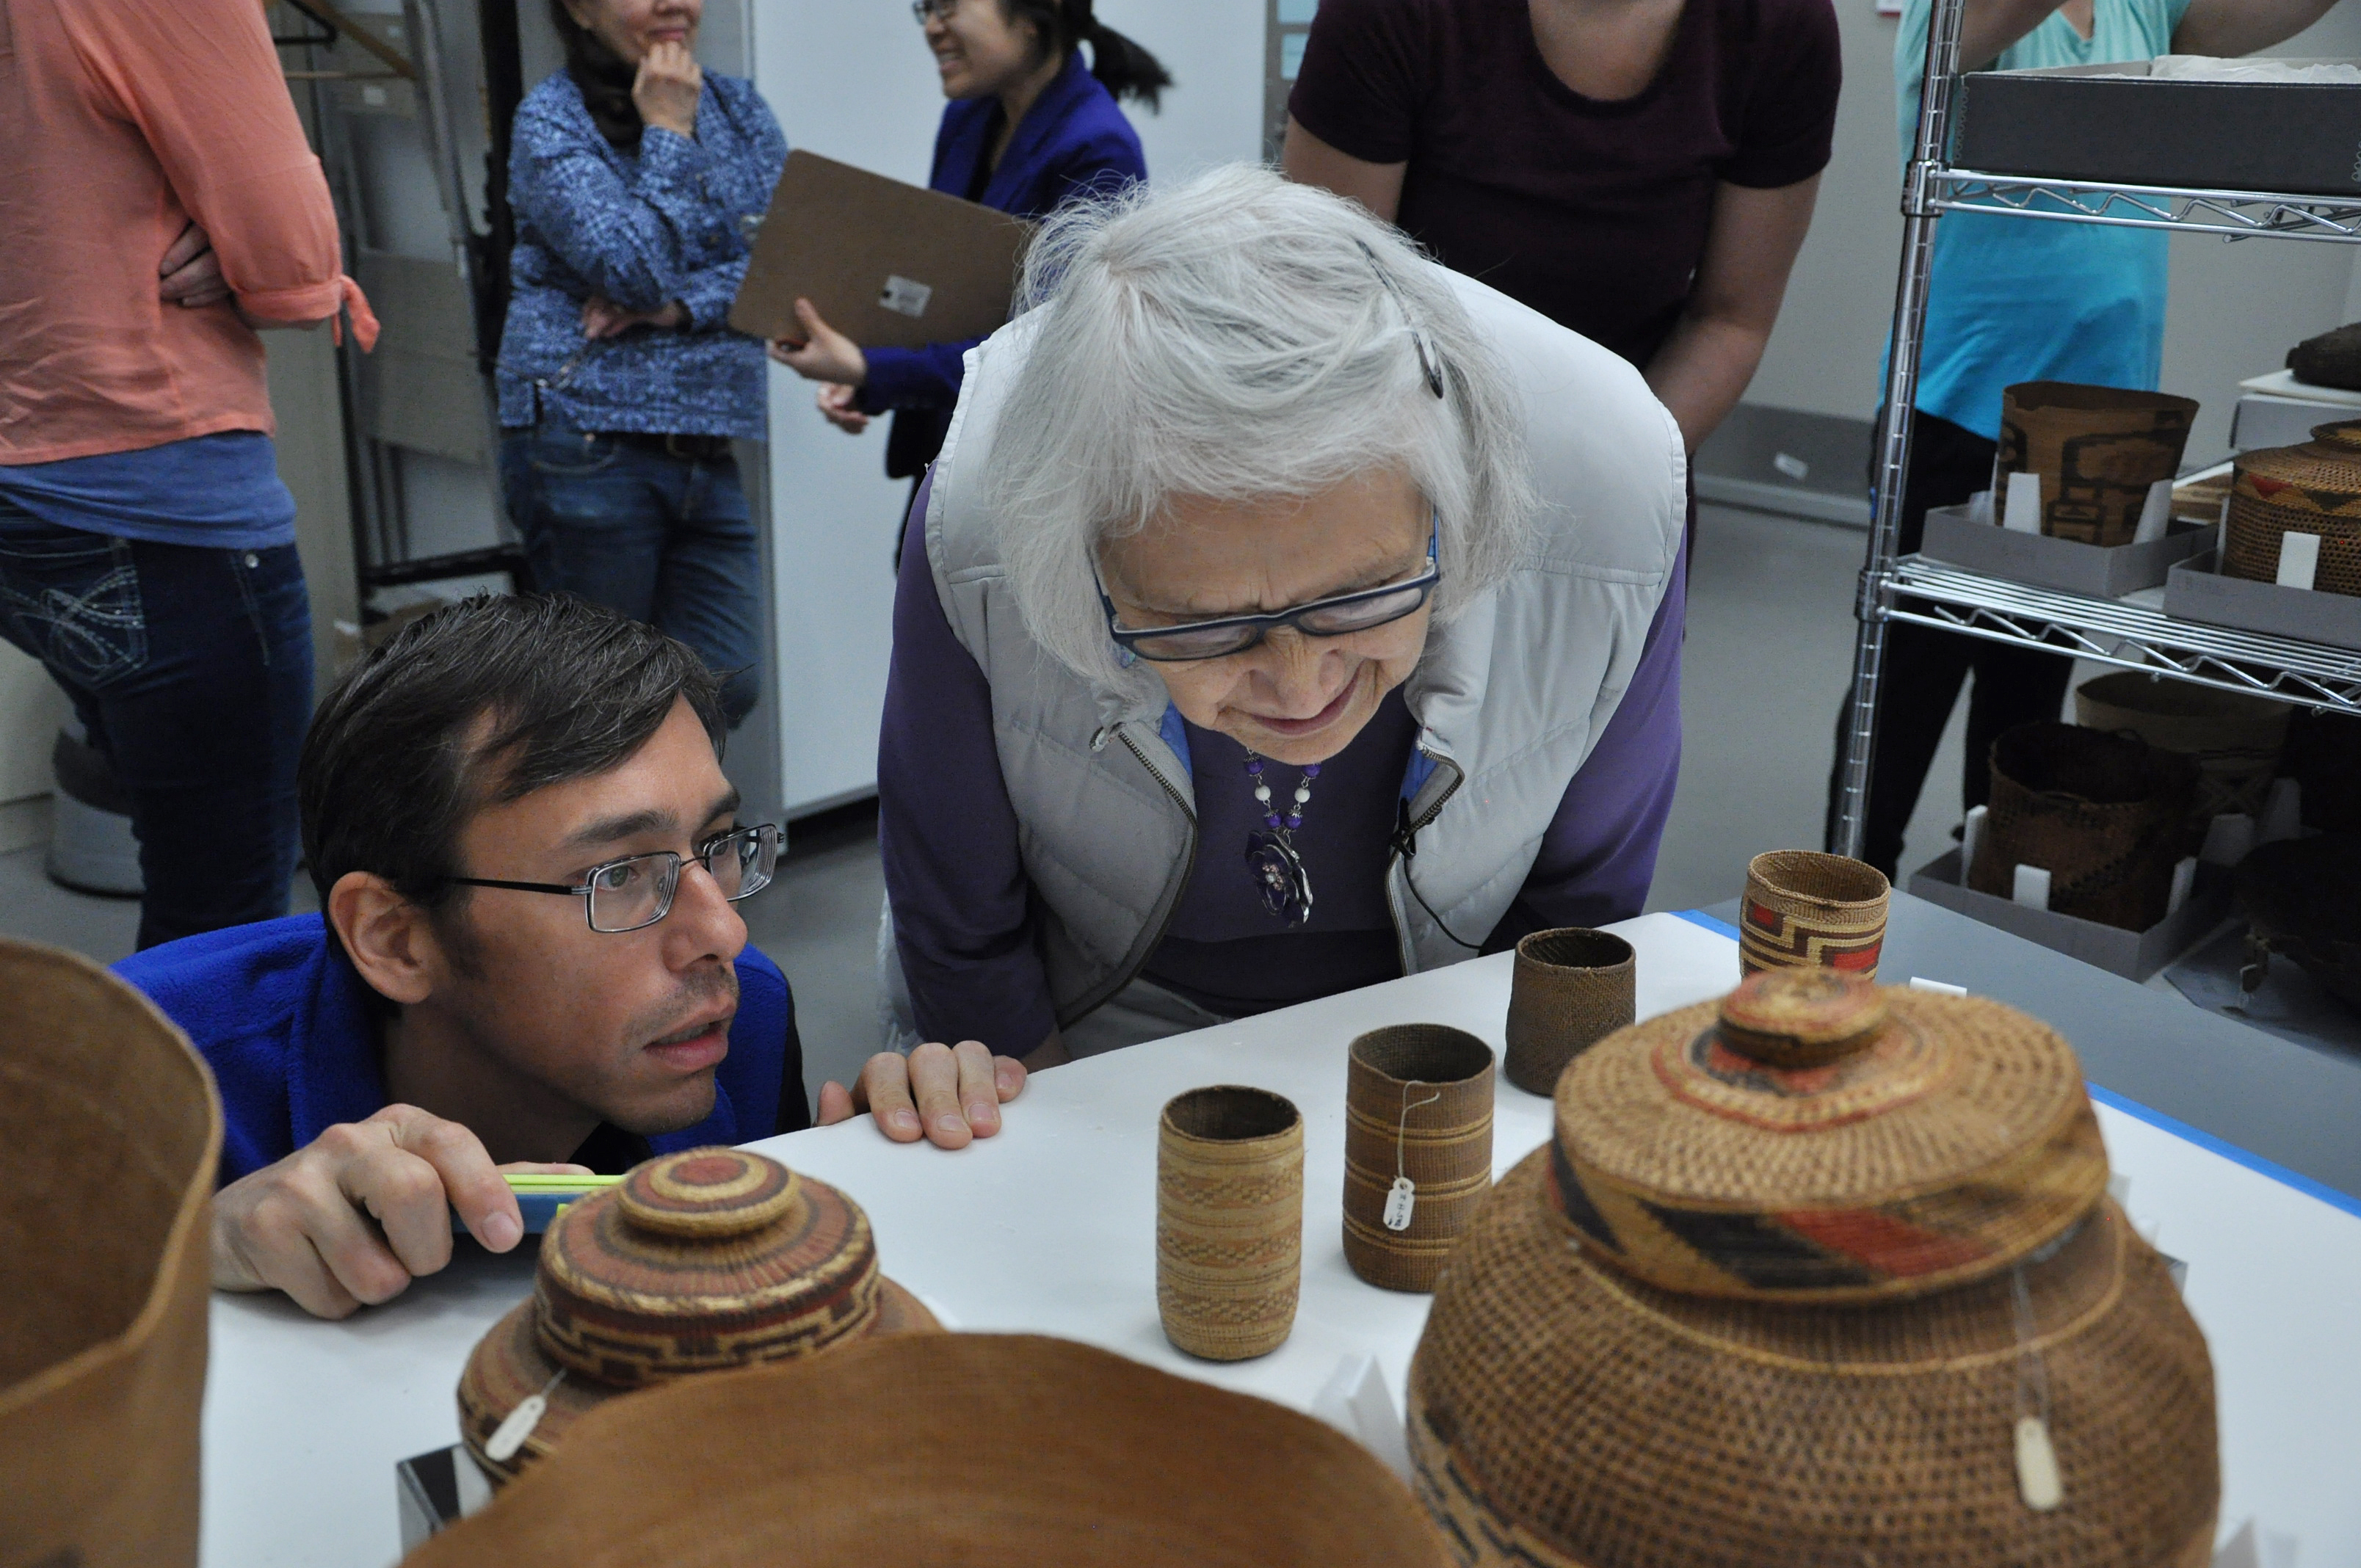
x: 1238, y: 337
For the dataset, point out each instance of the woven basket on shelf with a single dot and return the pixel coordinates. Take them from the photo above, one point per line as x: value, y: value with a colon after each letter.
x: 2107, y: 816
x: 2235, y: 740
x: 1789, y: 1283
x: 701, y: 1261
x: 2314, y: 487
x: 2097, y: 449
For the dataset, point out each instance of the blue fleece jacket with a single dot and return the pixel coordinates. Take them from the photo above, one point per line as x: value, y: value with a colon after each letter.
x: 284, y: 1023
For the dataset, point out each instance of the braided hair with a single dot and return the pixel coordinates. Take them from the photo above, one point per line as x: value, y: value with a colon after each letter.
x: 1124, y: 68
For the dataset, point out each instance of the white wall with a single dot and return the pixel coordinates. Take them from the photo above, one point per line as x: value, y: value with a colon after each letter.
x: 852, y: 80
x: 2235, y: 309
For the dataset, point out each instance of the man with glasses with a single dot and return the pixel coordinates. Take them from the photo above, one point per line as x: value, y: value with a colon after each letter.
x: 526, y: 855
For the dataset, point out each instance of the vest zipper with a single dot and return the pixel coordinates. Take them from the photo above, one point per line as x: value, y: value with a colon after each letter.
x: 1180, y: 889
x: 1395, y: 858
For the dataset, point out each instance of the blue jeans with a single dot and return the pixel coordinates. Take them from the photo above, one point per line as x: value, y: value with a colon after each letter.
x: 661, y: 539
x: 191, y: 670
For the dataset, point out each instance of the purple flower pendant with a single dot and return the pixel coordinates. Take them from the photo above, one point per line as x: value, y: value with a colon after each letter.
x: 1280, y: 877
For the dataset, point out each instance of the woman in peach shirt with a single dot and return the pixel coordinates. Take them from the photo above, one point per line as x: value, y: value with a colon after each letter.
x: 147, y: 547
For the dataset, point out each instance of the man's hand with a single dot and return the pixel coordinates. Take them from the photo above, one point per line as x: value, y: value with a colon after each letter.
x: 957, y: 1093
x: 837, y: 407
x: 190, y: 274
x: 353, y: 1217
x: 824, y: 355
x: 666, y: 89
x: 601, y: 317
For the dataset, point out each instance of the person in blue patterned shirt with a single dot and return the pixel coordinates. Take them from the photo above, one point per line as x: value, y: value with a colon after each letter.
x: 633, y: 175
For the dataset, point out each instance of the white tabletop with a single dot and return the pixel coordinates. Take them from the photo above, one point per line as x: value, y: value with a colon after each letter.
x: 1050, y: 1228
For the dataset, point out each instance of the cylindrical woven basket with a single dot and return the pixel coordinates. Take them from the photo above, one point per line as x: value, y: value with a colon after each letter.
x: 1785, y: 1287
x: 1806, y: 910
x: 2097, y: 449
x: 1229, y: 1220
x: 1573, y: 987
x: 2235, y: 740
x: 2313, y: 487
x: 1418, y: 1105
x: 2107, y: 816
x: 702, y: 1261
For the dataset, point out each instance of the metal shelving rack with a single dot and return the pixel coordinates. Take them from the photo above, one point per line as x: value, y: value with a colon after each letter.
x: 1928, y: 593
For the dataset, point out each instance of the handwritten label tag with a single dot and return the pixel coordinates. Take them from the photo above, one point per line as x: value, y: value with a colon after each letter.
x: 510, y: 1435
x: 2037, y: 1481
x: 904, y: 296
x: 1399, y: 1202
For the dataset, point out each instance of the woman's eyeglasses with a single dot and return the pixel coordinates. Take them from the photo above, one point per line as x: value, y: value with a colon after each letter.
x: 1339, y: 616
x: 637, y: 890
x: 927, y: 11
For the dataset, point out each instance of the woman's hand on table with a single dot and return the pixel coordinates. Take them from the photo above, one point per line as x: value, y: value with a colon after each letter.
x: 601, y: 317
x: 666, y: 89
x: 824, y: 355
x: 836, y: 406
x: 949, y: 1095
x: 351, y: 1218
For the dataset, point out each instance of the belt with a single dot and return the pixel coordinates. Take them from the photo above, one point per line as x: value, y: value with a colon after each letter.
x: 688, y: 448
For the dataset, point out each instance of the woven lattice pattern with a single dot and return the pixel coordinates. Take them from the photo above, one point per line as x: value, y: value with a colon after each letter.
x: 1562, y: 1413
x: 2312, y: 487
x: 1804, y: 909
x: 1418, y: 1100
x: 1574, y: 987
x: 1229, y: 1221
x: 2104, y: 814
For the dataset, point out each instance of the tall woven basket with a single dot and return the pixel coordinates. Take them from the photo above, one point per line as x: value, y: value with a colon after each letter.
x: 2107, y: 816
x: 2314, y: 487
x: 1821, y: 1274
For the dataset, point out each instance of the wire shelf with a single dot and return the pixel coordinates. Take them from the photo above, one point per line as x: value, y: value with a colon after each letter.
x: 2238, y: 215
x: 2131, y: 636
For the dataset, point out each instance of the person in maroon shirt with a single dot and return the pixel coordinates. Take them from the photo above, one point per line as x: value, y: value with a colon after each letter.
x: 1640, y: 170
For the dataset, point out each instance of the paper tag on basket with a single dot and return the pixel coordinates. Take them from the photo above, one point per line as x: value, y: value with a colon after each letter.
x: 2299, y: 559
x: 2155, y: 514
x: 2184, y: 877
x: 2032, y: 887
x: 2037, y: 1481
x: 1399, y: 1202
x: 2021, y: 513
x: 510, y: 1435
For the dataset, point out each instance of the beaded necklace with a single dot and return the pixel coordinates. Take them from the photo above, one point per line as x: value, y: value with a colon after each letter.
x: 1271, y: 858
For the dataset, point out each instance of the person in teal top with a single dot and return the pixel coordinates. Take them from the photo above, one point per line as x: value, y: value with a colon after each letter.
x: 2014, y: 301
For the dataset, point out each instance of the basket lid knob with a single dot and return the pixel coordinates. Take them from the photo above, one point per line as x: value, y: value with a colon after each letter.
x: 1801, y: 1017
x: 707, y: 1193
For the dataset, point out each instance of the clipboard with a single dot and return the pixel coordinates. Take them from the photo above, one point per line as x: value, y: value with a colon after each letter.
x: 889, y: 265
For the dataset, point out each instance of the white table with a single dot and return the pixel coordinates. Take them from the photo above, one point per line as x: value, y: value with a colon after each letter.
x: 1050, y: 1228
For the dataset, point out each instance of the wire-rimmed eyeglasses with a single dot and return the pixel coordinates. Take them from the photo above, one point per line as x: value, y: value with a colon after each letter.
x: 1338, y: 616
x: 637, y: 891
x: 926, y: 11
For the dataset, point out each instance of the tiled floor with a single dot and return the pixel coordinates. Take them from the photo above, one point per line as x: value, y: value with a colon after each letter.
x: 1769, y: 648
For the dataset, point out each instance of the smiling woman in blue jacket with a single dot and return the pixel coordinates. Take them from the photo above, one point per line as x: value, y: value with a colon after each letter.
x: 1028, y: 130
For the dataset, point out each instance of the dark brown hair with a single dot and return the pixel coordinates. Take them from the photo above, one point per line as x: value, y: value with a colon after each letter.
x: 1123, y: 67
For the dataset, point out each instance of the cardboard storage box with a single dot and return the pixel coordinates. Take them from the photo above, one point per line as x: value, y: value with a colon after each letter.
x: 2135, y: 955
x: 2103, y: 571
x: 2109, y: 125
x: 2195, y: 591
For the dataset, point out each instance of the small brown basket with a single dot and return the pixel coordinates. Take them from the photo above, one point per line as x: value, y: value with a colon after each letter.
x: 2314, y: 487
x: 2104, y: 815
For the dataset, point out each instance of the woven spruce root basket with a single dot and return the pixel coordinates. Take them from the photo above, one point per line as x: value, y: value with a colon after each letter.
x: 2314, y: 487
x: 701, y: 1261
x: 1821, y: 1274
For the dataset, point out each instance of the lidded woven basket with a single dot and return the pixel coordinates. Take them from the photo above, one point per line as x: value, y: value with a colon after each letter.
x: 698, y: 1261
x: 1789, y: 1284
x: 2312, y: 487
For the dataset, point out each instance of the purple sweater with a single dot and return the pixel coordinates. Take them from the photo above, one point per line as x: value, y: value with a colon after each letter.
x: 963, y: 910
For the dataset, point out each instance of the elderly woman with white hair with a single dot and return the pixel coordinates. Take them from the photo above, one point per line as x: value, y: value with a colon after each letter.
x: 1284, y: 614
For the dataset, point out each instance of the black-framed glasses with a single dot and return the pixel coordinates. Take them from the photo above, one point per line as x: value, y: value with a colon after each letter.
x: 1339, y: 616
x: 637, y: 891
